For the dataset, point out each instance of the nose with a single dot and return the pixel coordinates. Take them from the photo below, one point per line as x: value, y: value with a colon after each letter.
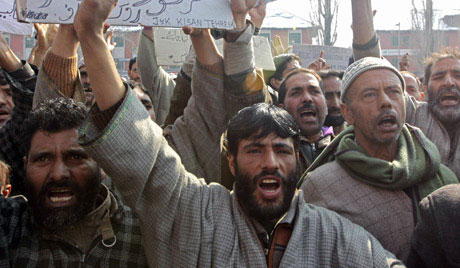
x: 306, y: 97
x: 384, y: 101
x: 270, y: 161
x: 335, y: 102
x: 59, y: 171
x: 448, y: 81
x: 2, y: 98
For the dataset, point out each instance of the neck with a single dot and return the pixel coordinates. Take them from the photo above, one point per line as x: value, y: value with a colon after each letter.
x: 384, y: 151
x: 339, y: 129
x: 315, y: 137
x: 269, y: 225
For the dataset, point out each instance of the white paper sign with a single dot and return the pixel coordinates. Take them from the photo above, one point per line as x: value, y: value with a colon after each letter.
x: 162, y: 13
x: 336, y: 57
x: 172, y: 47
x: 8, y: 20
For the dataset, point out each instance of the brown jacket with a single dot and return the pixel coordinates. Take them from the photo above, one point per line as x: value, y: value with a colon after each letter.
x: 387, y: 215
x: 418, y: 114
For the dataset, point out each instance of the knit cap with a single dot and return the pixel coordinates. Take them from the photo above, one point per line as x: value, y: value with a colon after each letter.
x: 364, y: 65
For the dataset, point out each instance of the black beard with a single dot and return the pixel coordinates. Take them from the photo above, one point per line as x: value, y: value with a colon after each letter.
x: 449, y: 116
x: 246, y: 186
x: 58, y: 218
x: 334, y: 120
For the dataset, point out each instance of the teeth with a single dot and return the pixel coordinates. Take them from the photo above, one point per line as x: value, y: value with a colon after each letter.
x: 59, y: 191
x: 269, y: 181
x: 60, y: 199
x: 270, y: 191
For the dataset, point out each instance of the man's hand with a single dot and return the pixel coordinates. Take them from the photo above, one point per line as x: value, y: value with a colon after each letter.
x: 404, y: 62
x: 258, y: 14
x: 109, y: 40
x: 8, y: 59
x: 91, y: 15
x: 278, y: 48
x: 319, y: 64
x: 240, y: 9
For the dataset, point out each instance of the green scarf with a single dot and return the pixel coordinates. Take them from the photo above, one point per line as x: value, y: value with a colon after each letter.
x: 417, y: 163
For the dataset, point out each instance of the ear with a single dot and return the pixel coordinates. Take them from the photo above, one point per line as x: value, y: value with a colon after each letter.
x: 422, y: 94
x: 281, y: 105
x: 231, y: 163
x: 6, y: 190
x: 103, y: 175
x: 24, y: 162
x: 347, y: 113
x: 276, y: 83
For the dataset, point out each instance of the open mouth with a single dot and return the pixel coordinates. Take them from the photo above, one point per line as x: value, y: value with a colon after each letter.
x: 60, y: 196
x: 4, y: 113
x: 387, y: 123
x: 270, y: 187
x: 449, y: 99
x: 308, y: 113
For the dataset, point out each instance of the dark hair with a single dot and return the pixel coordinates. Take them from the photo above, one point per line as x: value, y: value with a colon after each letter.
x: 3, y: 80
x: 283, y: 90
x: 325, y: 74
x: 131, y: 63
x: 448, y: 52
x: 53, y: 115
x: 259, y: 121
x: 282, y: 66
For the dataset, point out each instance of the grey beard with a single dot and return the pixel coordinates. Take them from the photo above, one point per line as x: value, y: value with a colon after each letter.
x: 449, y: 116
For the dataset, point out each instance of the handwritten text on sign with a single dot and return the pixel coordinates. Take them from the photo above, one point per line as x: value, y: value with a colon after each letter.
x: 163, y: 13
x: 172, y: 48
x: 8, y: 20
x: 336, y: 57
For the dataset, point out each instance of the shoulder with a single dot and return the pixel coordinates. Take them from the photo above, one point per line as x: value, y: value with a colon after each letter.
x: 324, y: 175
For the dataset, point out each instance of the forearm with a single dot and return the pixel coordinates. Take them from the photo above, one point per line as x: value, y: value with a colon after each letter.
x: 363, y: 21
x: 66, y: 42
x: 205, y: 48
x: 107, y: 85
x: 8, y: 60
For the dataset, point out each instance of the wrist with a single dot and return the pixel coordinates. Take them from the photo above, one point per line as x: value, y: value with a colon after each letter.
x: 240, y: 23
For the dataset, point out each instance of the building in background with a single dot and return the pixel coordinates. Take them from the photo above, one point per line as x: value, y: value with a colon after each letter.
x: 393, y: 48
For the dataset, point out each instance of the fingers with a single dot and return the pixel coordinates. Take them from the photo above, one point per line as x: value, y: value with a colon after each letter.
x: 191, y: 31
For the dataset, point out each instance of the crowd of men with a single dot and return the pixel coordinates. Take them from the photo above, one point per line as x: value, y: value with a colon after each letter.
x: 226, y: 165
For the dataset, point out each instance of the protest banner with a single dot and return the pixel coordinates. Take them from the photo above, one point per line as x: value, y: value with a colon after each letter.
x: 172, y: 47
x: 336, y: 57
x: 8, y: 20
x: 162, y: 13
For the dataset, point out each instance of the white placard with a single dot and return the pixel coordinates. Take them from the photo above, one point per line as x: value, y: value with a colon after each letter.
x: 162, y: 13
x: 172, y: 47
x: 336, y: 57
x: 8, y: 20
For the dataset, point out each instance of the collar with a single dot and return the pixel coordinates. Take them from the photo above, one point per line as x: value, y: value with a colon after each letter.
x: 94, y: 224
x: 287, y: 218
x: 327, y: 134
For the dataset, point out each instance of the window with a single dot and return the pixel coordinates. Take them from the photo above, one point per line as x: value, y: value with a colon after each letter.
x: 394, y: 41
x: 266, y: 34
x: 29, y: 43
x: 405, y: 40
x: 7, y: 38
x: 446, y: 41
x: 295, y: 37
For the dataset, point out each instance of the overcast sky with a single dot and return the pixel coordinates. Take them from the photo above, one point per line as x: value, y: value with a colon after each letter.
x: 389, y: 13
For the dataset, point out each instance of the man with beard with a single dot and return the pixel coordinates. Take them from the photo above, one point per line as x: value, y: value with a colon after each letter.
x: 332, y: 81
x: 301, y: 94
x: 132, y: 71
x: 70, y: 218
x: 439, y: 118
x: 377, y: 170
x: 187, y: 223
x: 6, y: 100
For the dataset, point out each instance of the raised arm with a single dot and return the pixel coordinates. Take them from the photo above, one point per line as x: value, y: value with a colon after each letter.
x: 59, y: 74
x: 158, y: 82
x: 21, y: 78
x: 365, y: 40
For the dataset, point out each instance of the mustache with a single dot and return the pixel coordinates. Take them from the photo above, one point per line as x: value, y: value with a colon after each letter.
x: 452, y: 89
x: 307, y: 106
x: 334, y: 109
x: 61, y: 184
x: 264, y: 173
x: 388, y: 113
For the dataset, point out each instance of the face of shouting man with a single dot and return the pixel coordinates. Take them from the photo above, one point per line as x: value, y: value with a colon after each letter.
x: 376, y: 108
x: 266, y: 175
x: 444, y: 91
x: 305, y: 101
x: 62, y: 181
